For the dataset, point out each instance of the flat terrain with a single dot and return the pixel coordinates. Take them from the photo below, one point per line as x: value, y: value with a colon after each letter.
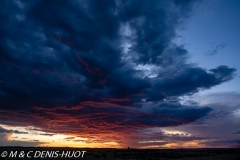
x: 135, y: 154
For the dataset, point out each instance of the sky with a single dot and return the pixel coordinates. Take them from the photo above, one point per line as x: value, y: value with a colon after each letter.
x: 118, y: 74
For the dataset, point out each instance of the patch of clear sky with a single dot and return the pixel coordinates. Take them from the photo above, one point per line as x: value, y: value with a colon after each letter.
x: 214, y: 23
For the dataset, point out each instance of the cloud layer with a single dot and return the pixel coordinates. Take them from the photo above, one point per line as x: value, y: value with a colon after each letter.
x: 91, y: 67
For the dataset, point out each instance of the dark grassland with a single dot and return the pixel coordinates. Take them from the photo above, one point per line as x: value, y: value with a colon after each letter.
x: 138, y: 154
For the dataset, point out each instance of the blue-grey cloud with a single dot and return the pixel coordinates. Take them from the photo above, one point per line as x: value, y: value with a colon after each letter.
x: 219, y: 143
x: 216, y: 48
x: 236, y: 132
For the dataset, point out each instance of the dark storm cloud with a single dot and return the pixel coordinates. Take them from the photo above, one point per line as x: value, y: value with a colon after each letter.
x: 188, y: 80
x: 66, y: 54
x: 89, y: 116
